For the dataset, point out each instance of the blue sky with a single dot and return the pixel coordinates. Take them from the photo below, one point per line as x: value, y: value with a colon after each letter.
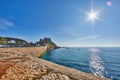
x: 61, y: 20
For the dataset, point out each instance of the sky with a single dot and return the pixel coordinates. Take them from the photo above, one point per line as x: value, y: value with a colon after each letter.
x: 64, y: 21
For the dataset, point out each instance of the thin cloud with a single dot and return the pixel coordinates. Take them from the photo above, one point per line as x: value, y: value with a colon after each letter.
x: 93, y: 37
x: 69, y: 30
x: 4, y: 24
x: 84, y: 41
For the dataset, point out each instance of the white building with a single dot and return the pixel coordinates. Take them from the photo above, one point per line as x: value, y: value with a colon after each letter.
x: 1, y: 45
x: 11, y: 41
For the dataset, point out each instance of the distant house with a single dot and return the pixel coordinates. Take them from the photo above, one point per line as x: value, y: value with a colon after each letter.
x: 12, y: 42
x: 1, y: 46
x: 4, y: 46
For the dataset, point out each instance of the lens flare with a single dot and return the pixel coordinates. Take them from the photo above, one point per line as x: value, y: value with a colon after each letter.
x: 109, y: 3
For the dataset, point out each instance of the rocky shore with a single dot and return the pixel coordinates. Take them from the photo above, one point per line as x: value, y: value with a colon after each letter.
x: 24, y: 64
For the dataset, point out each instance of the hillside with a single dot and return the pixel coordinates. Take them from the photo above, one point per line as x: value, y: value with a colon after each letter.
x: 15, y: 42
x: 10, y: 40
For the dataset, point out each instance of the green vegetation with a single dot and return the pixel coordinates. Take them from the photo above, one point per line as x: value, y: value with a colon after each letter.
x: 2, y: 40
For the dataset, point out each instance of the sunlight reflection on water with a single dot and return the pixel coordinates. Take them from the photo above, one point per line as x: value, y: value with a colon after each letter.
x: 96, y: 64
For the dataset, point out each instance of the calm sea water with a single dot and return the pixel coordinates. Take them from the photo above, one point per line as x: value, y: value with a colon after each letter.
x: 104, y: 62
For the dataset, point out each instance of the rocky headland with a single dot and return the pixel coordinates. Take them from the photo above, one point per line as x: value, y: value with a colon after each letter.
x: 16, y: 42
x: 47, y: 42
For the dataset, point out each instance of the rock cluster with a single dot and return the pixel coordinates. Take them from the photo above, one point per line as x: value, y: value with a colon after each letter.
x: 31, y: 70
x: 55, y: 76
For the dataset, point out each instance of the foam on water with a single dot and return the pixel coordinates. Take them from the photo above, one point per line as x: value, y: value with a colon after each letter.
x: 96, y: 63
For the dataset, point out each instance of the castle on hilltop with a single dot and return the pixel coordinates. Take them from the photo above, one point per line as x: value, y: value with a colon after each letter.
x: 46, y: 42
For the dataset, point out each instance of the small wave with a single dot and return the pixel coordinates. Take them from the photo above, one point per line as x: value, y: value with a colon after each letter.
x: 96, y: 63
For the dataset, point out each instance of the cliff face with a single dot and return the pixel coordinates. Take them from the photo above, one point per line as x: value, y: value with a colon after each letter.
x: 47, y: 42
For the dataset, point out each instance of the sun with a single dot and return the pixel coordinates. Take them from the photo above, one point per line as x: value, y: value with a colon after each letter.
x: 93, y: 16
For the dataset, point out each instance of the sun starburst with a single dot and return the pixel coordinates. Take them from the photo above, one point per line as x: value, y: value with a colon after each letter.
x: 92, y: 16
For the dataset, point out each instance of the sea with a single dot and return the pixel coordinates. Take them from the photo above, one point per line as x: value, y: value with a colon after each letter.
x: 103, y: 61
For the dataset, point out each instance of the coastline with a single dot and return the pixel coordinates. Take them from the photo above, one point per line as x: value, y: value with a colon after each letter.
x: 26, y: 61
x: 71, y: 72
